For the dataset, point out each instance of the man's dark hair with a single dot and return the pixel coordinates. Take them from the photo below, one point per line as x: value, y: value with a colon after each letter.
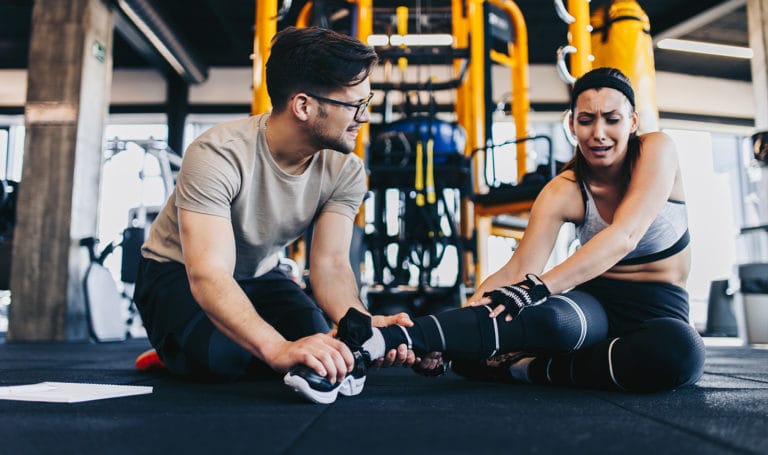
x: 315, y: 59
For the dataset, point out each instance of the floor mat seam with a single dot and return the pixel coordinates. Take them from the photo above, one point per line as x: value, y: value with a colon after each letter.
x: 736, y: 376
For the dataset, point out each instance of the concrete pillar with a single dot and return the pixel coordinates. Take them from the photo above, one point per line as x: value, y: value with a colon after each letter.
x: 177, y: 107
x: 69, y: 78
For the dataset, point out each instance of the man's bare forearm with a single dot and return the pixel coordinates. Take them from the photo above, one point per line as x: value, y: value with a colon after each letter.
x: 229, y: 309
x: 335, y: 289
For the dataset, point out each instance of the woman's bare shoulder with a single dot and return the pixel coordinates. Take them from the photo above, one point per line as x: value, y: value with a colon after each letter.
x: 657, y: 140
x: 564, y: 181
x: 562, y: 195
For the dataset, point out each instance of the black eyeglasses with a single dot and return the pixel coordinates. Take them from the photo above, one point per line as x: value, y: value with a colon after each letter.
x: 359, y: 107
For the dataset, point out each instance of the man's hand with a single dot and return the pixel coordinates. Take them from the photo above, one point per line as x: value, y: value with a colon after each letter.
x: 326, y: 355
x: 401, y: 355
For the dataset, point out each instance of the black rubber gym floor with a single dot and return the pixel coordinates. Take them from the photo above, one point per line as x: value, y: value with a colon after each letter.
x: 398, y: 412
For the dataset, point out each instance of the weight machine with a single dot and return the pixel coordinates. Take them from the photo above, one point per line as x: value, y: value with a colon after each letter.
x: 110, y: 310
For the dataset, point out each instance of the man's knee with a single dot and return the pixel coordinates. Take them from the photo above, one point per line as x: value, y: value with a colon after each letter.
x: 202, y: 353
x: 227, y: 359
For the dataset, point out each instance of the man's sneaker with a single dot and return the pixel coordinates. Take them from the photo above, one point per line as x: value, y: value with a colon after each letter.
x: 149, y: 360
x: 354, y: 329
x: 311, y: 385
x: 355, y: 381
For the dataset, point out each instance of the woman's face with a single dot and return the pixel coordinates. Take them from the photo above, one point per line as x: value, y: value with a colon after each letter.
x: 602, y: 121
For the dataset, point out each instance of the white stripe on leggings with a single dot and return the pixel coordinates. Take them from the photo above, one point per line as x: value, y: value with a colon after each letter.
x: 495, y: 331
x: 407, y: 337
x: 439, y: 330
x: 582, y: 319
x: 549, y: 364
x: 610, y: 364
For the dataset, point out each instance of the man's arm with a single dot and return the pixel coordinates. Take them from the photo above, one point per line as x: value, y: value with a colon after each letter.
x: 333, y: 282
x: 208, y: 246
x: 332, y: 278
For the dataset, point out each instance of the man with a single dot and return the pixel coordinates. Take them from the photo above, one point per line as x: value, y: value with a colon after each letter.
x: 212, y: 299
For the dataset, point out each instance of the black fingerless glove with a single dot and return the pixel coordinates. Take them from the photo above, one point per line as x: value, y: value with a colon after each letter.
x: 515, y: 297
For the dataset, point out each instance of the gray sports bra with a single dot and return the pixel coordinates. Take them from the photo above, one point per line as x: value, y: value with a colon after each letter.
x: 667, y: 235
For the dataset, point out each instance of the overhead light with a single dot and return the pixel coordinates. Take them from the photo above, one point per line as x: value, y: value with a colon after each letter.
x: 700, y: 47
x: 411, y: 40
x: 378, y: 40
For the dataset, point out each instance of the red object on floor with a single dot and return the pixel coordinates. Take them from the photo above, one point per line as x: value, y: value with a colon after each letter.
x: 149, y: 360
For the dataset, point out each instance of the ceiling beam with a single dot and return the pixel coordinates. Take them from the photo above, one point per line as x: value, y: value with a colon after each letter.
x: 700, y: 20
x: 154, y: 36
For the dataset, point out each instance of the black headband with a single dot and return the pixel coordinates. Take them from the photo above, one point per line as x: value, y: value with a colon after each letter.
x: 600, y: 80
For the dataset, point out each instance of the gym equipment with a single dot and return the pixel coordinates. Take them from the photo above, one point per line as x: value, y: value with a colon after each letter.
x: 721, y: 320
x: 394, y: 139
x: 576, y: 16
x: 754, y: 288
x: 418, y: 159
x: 508, y: 197
x: 110, y: 312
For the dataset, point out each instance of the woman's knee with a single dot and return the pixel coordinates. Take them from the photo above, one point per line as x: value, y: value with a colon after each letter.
x: 667, y: 353
x: 566, y: 322
x: 682, y: 354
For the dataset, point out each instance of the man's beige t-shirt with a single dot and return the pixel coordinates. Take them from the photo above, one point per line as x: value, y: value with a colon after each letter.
x: 229, y: 172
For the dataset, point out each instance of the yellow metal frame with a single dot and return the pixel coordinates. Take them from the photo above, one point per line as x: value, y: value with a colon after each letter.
x: 473, y: 118
x: 266, y: 27
x: 364, y: 30
x: 303, y: 19
x: 580, y: 37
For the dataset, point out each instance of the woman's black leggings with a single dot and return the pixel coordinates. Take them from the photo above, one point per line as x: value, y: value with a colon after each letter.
x: 604, y: 334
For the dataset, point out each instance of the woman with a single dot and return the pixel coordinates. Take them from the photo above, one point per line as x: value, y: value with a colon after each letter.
x: 614, y: 315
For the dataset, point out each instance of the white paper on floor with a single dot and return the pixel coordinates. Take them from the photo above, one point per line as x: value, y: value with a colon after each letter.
x: 69, y: 392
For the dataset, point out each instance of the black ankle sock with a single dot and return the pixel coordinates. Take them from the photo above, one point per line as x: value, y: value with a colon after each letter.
x: 584, y: 368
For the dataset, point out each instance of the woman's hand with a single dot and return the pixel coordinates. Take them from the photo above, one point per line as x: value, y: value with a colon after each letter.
x: 512, y: 299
